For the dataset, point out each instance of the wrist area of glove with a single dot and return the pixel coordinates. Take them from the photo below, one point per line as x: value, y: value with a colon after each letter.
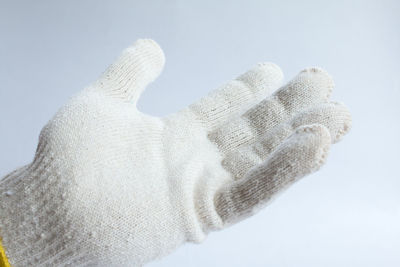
x: 30, y: 216
x: 8, y: 222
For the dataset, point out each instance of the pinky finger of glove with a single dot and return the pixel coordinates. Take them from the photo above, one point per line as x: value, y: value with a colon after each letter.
x: 300, y: 154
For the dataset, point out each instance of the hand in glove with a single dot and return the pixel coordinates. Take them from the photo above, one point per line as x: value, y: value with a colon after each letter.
x: 110, y: 185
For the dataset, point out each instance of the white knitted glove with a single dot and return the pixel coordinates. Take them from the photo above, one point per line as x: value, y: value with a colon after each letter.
x: 111, y: 186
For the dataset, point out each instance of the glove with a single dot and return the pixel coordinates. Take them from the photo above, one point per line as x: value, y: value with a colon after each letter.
x: 112, y: 186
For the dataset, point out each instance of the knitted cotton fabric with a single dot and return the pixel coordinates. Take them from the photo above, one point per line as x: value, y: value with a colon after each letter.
x: 112, y: 186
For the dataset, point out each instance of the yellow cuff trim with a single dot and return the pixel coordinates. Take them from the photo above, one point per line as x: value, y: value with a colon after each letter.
x: 3, y: 258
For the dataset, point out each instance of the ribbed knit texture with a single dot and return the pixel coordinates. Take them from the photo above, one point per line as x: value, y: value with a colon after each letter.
x: 111, y: 186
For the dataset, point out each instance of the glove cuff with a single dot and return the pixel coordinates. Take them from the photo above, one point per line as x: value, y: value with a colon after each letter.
x: 34, y: 223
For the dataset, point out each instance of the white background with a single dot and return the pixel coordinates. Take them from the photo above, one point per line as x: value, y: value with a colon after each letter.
x: 348, y: 214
